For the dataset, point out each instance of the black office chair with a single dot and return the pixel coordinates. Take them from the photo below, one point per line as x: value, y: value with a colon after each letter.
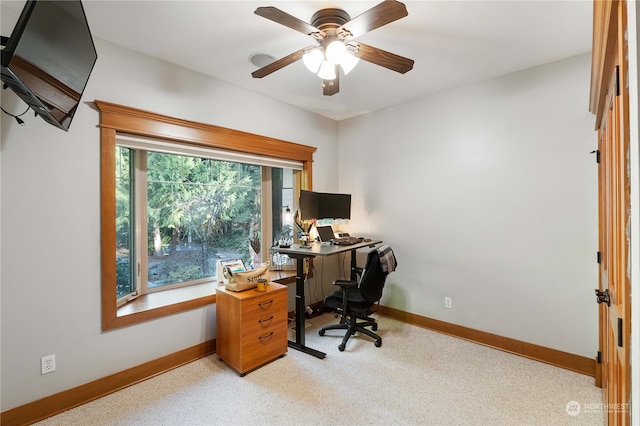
x: 356, y: 299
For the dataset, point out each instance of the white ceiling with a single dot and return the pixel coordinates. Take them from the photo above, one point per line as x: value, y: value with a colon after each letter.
x: 453, y: 43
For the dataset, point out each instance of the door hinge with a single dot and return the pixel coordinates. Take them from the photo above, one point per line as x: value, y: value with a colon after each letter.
x: 620, y: 332
x: 599, y: 357
x: 617, y: 82
x: 597, y: 153
x: 603, y: 296
x: 599, y: 257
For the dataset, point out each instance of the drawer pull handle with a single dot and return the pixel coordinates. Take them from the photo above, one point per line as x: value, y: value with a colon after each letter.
x: 266, y: 336
x: 265, y: 320
x: 263, y: 304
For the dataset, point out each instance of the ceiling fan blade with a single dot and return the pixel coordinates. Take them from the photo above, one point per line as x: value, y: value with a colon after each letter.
x: 384, y: 59
x: 276, y: 15
x: 280, y: 63
x: 331, y: 87
x: 382, y: 14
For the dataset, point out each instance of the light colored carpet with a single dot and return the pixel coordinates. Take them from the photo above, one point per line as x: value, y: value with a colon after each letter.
x: 417, y: 377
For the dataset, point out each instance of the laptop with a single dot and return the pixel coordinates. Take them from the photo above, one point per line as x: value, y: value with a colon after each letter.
x: 325, y: 233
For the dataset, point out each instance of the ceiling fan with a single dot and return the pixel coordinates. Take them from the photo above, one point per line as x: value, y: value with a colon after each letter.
x: 335, y: 31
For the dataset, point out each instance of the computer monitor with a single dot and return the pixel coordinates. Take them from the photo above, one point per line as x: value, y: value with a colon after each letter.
x: 335, y: 206
x: 308, y: 205
x: 324, y: 205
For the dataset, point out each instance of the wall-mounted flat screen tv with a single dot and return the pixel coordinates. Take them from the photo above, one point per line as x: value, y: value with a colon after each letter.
x: 48, y: 58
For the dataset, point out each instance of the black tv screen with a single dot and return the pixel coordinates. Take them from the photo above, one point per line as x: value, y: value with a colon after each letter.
x: 324, y: 205
x: 49, y: 57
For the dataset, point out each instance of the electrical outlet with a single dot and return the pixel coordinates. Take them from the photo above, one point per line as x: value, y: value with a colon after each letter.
x: 447, y: 302
x: 48, y: 364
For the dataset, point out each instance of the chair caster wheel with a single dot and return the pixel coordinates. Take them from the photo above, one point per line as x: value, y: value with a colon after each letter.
x: 374, y: 327
x: 378, y: 344
x: 321, y: 332
x: 341, y: 348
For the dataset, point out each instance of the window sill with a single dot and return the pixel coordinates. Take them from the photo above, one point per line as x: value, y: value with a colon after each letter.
x: 161, y: 303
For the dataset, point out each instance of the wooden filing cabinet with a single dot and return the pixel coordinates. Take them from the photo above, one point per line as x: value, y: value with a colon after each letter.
x: 251, y: 326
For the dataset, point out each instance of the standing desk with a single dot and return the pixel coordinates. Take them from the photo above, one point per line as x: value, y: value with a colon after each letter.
x: 299, y: 253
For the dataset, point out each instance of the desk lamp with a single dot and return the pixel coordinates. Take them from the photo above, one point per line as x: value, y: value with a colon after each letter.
x: 304, y: 226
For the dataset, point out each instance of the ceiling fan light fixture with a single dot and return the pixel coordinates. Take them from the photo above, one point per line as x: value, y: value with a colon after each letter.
x: 313, y: 59
x: 349, y: 62
x: 327, y: 71
x: 336, y: 51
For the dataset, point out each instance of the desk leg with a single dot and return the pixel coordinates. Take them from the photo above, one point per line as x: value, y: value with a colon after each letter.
x: 300, y: 309
x: 354, y: 276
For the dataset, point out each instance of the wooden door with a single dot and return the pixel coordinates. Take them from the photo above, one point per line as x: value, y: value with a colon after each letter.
x: 614, y: 202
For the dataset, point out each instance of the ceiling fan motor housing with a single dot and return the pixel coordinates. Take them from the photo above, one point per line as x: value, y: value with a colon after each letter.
x: 328, y: 21
x: 329, y: 18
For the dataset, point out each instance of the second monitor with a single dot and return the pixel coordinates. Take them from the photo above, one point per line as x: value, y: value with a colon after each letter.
x: 324, y: 205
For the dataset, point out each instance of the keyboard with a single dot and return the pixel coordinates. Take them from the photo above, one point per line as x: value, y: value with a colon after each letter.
x: 346, y: 241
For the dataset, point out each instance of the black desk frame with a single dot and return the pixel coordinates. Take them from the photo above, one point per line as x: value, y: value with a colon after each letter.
x: 299, y: 253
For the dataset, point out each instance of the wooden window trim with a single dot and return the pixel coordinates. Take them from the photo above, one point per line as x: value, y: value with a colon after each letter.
x: 121, y: 119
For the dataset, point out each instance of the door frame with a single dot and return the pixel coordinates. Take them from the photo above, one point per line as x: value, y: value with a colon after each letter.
x: 613, y: 33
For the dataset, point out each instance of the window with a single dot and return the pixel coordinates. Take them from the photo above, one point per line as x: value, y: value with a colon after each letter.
x: 188, y: 213
x: 125, y: 281
x: 178, y: 196
x: 284, y: 186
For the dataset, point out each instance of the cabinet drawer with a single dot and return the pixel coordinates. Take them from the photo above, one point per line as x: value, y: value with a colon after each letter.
x: 263, y: 322
x: 261, y: 313
x: 264, y: 345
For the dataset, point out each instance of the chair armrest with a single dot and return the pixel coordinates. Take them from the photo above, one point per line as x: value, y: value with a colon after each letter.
x: 357, y: 271
x: 346, y: 284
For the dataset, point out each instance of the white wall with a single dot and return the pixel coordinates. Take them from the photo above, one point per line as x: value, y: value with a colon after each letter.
x: 50, y: 271
x: 488, y: 195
